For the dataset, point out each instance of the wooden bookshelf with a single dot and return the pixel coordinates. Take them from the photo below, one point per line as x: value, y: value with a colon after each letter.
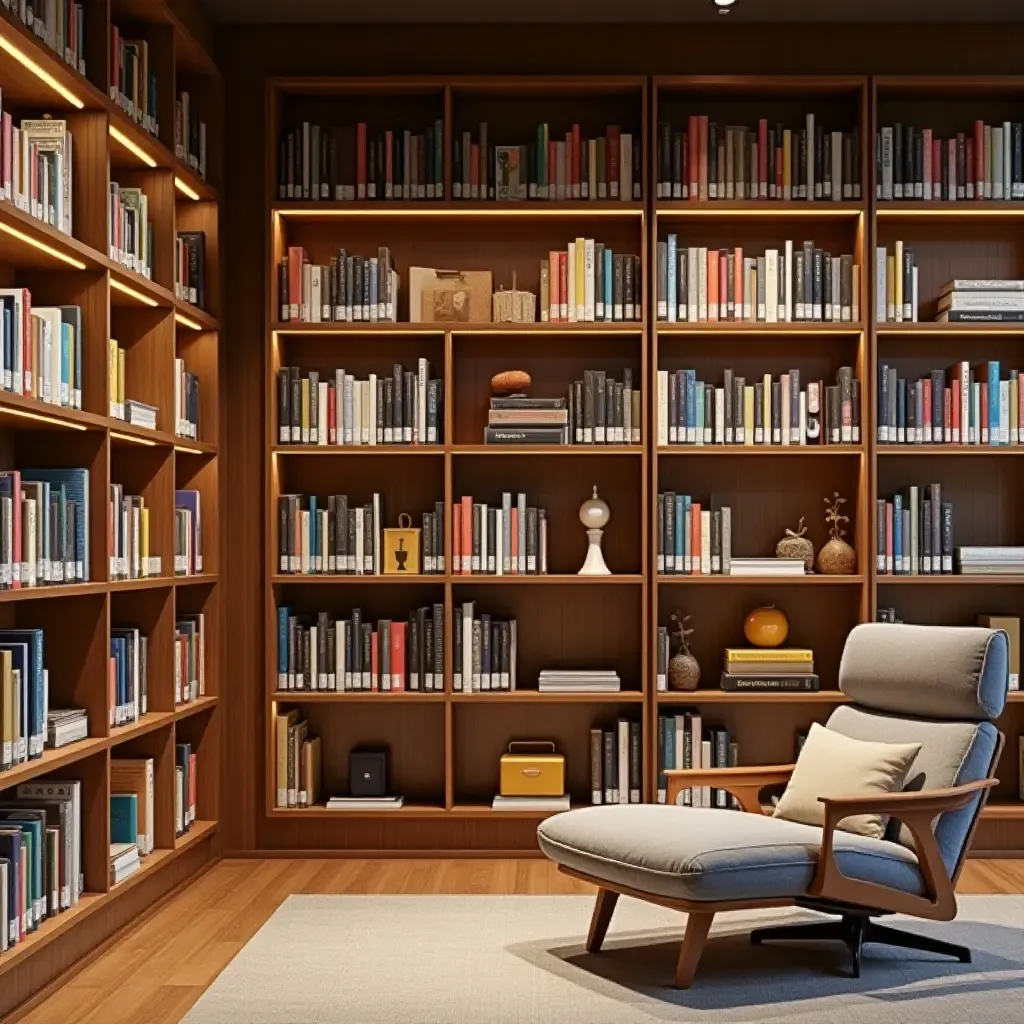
x: 155, y: 328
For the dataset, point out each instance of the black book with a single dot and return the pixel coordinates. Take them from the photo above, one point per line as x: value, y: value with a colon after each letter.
x: 769, y: 683
x: 523, y: 435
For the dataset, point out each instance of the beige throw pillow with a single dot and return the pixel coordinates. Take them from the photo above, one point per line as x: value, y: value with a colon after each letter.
x: 831, y: 764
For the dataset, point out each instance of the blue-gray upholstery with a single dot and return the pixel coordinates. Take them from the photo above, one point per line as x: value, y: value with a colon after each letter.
x: 708, y: 855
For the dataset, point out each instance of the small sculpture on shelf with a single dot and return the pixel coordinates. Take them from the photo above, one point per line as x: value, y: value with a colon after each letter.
x: 515, y: 306
x: 766, y: 627
x: 836, y: 558
x: 683, y: 667
x: 796, y: 545
x: 511, y: 382
x: 594, y: 515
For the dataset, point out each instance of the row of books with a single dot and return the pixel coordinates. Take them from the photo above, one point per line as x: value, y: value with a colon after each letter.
x: 709, y: 161
x: 351, y: 288
x: 132, y: 814
x: 185, y: 788
x: 406, y: 407
x: 130, y: 557
x: 121, y: 407
x: 129, y: 229
x: 963, y: 405
x: 691, y: 411
x: 186, y: 404
x: 190, y: 267
x: 189, y: 658
x: 685, y: 743
x: 506, y: 539
x: 60, y: 24
x: 608, y: 166
x: 485, y: 649
x: 350, y: 162
x: 329, y: 653
x: 44, y: 527
x: 41, y: 872
x: 588, y: 282
x: 190, y: 135
x: 701, y: 285
x: 188, y: 533
x: 41, y: 356
x: 616, y: 760
x: 297, y: 761
x: 317, y: 536
x: 914, y: 533
x: 985, y: 163
x: 133, y: 80
x: 37, y: 168
x: 24, y: 696
x: 693, y: 539
x: 129, y: 675
x: 583, y: 680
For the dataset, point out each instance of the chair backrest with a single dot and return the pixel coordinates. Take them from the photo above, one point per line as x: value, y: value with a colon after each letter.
x: 940, y: 686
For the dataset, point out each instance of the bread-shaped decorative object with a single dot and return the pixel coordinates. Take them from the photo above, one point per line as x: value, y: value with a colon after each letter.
x: 510, y: 382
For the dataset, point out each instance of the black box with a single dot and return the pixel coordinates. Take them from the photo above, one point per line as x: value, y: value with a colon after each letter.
x: 368, y: 772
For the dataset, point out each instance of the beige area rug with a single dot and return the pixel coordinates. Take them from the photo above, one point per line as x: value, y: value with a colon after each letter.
x: 520, y: 960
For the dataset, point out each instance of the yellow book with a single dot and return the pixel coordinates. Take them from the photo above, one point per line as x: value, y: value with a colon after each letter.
x: 545, y: 290
x: 6, y: 710
x: 787, y: 146
x: 122, y: 355
x: 144, y: 539
x: 581, y: 279
x: 570, y: 282
x: 766, y: 413
x: 898, y: 282
x: 112, y: 367
x: 796, y: 655
x: 748, y: 414
x: 284, y: 723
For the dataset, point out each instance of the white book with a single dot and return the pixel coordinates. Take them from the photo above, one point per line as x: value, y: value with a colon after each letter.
x: 1007, y: 158
x: 771, y: 285
x: 422, y: 379
x: 357, y: 412
x: 705, y: 542
x: 342, y: 674
x: 571, y: 282
x: 692, y: 281
x: 719, y: 415
x: 803, y: 419
x: 588, y: 281
x: 521, y: 516
x: 663, y: 428
x: 788, y: 271
x: 881, y: 266
x: 371, y: 388
x: 702, y: 285
x: 506, y: 533
x: 1004, y: 412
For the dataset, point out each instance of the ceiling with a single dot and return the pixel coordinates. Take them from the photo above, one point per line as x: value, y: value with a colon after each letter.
x: 604, y: 11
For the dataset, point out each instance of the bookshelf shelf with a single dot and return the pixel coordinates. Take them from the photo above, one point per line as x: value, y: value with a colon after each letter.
x: 195, y: 707
x: 722, y: 697
x: 534, y: 697
x: 812, y: 329
x: 626, y: 327
x: 760, y: 581
x: 356, y: 697
x: 965, y: 210
x: 1002, y: 811
x: 970, y: 450
x: 543, y: 450
x: 339, y: 579
x: 487, y: 811
x: 947, y: 580
x: 942, y: 330
x: 76, y: 270
x: 684, y: 209
x: 449, y: 209
x: 761, y: 449
x: 201, y: 579
x: 320, y: 811
x: 554, y: 579
x: 199, y: 831
x: 398, y: 450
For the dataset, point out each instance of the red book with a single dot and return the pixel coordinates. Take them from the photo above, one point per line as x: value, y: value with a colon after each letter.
x: 332, y: 423
x: 514, y: 535
x: 983, y: 433
x: 888, y: 537
x: 575, y: 179
x: 702, y: 123
x: 954, y: 414
x: 554, y: 285
x: 723, y: 285
x: 361, y: 160
x: 947, y: 415
x: 694, y: 157
x: 612, y: 150
x: 296, y: 255
x: 979, y: 160
x: 389, y: 145
x: 467, y: 535
x: 563, y: 285
x: 397, y: 655
x: 762, y: 159
x: 374, y: 663
x: 695, y: 540
x: 712, y: 285
x: 926, y: 161
x: 457, y: 538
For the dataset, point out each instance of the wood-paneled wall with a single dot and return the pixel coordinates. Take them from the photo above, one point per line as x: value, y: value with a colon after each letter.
x: 248, y: 56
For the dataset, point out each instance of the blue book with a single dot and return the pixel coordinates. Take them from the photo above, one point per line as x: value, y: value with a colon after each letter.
x: 608, y: 258
x: 124, y: 818
x: 8, y: 379
x: 992, y: 367
x: 71, y: 316
x: 670, y: 742
x: 11, y: 845
x: 32, y: 823
x: 190, y: 501
x: 27, y: 659
x: 673, y: 304
x: 700, y: 411
x: 897, y: 533
x: 76, y: 489
x: 282, y: 646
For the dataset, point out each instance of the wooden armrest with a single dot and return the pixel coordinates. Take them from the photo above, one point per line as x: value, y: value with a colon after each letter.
x: 743, y: 783
x: 917, y: 811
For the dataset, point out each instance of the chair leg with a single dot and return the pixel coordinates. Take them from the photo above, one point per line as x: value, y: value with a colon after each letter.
x: 907, y: 940
x: 697, y: 927
x: 602, y: 916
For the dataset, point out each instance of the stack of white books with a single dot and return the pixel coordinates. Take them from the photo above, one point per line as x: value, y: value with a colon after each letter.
x: 531, y: 803
x: 767, y: 567
x: 365, y: 803
x: 579, y: 681
x: 124, y: 861
x: 991, y: 561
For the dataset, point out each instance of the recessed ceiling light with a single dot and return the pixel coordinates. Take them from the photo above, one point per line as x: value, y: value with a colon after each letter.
x: 724, y: 3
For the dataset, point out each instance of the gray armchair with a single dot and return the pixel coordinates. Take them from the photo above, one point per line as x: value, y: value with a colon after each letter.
x: 937, y: 686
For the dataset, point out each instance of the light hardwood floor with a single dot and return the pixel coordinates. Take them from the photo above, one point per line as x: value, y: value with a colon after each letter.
x: 157, y: 970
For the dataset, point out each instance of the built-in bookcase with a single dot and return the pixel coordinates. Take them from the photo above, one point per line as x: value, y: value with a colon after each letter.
x: 445, y: 746
x: 153, y: 327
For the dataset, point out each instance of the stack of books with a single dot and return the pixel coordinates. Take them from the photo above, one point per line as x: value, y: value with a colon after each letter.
x: 990, y: 561
x: 766, y: 567
x: 579, y: 681
x: 981, y: 301
x: 552, y: 804
x: 140, y: 414
x: 769, y: 670
x: 518, y: 419
x: 365, y: 803
x: 66, y: 725
x: 124, y: 861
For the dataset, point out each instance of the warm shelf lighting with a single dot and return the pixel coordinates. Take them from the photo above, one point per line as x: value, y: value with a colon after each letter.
x: 186, y: 450
x: 783, y: 209
x: 44, y: 76
x: 133, y: 439
x: 125, y: 289
x: 25, y: 414
x: 182, y: 187
x: 958, y: 209
x: 185, y: 322
x: 42, y: 246
x: 132, y: 147
x: 537, y: 209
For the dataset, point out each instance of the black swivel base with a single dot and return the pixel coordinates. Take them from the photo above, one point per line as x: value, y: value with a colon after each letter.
x: 854, y: 930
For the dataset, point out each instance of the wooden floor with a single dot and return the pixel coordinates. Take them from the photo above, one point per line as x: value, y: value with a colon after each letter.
x: 156, y: 971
